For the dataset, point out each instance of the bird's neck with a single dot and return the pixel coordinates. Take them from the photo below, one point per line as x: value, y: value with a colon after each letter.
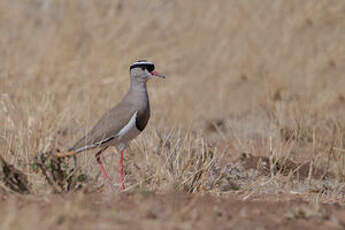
x: 138, y: 87
x: 138, y: 92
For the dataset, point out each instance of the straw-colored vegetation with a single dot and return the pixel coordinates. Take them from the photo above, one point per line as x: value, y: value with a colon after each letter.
x: 253, y: 104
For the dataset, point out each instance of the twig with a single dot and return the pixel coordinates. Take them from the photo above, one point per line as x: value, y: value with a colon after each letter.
x: 50, y: 181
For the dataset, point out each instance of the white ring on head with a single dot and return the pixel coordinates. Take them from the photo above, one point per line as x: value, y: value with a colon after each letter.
x: 142, y: 63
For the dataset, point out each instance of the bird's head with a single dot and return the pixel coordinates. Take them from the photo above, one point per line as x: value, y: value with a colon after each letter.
x: 143, y: 70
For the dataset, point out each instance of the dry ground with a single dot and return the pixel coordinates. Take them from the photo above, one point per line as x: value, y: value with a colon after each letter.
x: 247, y: 131
x: 146, y: 210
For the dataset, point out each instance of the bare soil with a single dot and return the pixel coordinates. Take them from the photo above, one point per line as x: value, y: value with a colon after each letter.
x: 149, y: 210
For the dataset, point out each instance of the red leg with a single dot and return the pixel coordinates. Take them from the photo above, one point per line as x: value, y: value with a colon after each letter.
x: 121, y: 172
x: 99, y: 161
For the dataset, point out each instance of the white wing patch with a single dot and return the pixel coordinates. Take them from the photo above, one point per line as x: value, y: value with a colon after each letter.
x: 130, y: 125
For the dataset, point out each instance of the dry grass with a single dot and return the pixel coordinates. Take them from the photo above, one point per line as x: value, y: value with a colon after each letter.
x: 259, y: 77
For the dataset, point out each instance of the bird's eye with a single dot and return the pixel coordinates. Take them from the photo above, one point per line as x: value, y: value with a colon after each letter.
x: 143, y: 68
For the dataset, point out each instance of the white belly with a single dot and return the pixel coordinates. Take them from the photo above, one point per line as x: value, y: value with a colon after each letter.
x: 126, y: 137
x: 127, y: 133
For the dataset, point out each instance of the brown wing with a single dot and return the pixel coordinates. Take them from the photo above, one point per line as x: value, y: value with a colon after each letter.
x: 106, y: 128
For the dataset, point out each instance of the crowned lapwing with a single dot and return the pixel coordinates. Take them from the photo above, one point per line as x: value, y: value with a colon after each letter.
x: 123, y: 122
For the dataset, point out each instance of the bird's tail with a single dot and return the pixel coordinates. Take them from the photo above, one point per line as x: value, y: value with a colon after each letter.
x: 66, y: 154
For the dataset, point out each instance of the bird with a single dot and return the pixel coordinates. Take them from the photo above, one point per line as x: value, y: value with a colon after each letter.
x: 122, y: 123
